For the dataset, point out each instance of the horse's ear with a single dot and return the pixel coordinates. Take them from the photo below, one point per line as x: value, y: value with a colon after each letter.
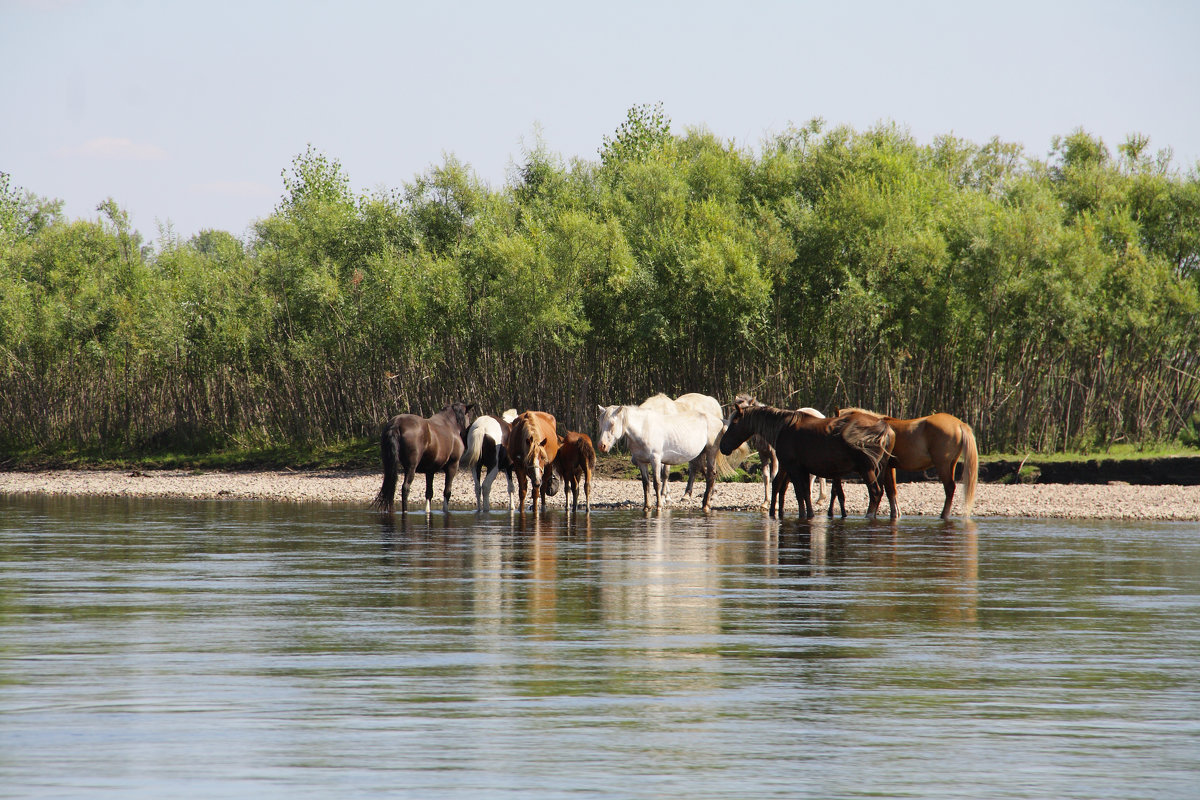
x: 561, y: 440
x: 600, y: 407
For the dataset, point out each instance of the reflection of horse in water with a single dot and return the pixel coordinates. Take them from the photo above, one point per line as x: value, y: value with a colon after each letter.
x: 658, y: 440
x: 486, y: 454
x: 412, y: 444
x: 576, y: 459
x: 938, y: 441
x: 850, y: 443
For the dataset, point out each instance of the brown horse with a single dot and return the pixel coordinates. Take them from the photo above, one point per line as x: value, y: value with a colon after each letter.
x: 830, y: 448
x: 775, y: 481
x: 412, y: 444
x: 532, y: 445
x: 576, y: 458
x: 938, y: 440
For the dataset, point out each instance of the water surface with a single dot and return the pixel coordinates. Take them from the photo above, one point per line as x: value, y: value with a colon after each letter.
x: 235, y: 649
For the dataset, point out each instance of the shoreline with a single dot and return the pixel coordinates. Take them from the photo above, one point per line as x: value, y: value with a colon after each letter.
x: 1072, y: 501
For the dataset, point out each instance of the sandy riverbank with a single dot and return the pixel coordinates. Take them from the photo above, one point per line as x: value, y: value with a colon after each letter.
x: 358, y: 488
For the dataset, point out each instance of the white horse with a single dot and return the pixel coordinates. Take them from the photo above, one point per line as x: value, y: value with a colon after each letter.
x: 486, y: 450
x: 700, y: 403
x: 658, y: 440
x: 770, y: 461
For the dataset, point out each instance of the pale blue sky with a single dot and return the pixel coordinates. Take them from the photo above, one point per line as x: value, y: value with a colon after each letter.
x: 189, y: 111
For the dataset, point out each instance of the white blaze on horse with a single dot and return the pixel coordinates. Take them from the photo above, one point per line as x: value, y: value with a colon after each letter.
x: 658, y: 440
x: 486, y: 455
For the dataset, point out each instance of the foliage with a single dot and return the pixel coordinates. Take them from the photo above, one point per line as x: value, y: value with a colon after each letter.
x: 1052, y: 304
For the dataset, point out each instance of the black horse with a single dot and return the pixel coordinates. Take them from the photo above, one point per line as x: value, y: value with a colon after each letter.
x: 412, y: 444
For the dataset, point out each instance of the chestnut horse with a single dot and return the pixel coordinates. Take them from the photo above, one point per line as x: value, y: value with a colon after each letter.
x: 532, y: 446
x: 485, y: 453
x: 412, y: 444
x: 938, y: 441
x: 830, y: 448
x: 576, y: 458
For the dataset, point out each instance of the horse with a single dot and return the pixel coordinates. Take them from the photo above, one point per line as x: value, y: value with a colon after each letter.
x: 486, y: 454
x: 658, y: 440
x: 774, y: 481
x: 830, y: 448
x: 532, y: 446
x: 937, y: 440
x: 413, y: 444
x: 576, y: 458
x: 705, y: 404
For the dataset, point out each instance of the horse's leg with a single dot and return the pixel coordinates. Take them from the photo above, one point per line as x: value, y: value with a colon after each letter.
x: 663, y: 483
x: 587, y: 488
x: 485, y: 501
x: 779, y: 486
x: 768, y: 478
x: 646, y: 486
x: 800, y: 486
x: 428, y: 492
x: 404, y: 489
x: 946, y: 474
x: 889, y: 487
x: 874, y: 493
x: 521, y: 496
x: 691, y: 475
x: 448, y: 486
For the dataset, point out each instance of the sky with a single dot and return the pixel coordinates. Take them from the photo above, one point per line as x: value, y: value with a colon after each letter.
x: 188, y: 113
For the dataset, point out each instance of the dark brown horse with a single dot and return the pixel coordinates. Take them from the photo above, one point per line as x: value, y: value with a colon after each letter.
x: 532, y: 445
x: 938, y: 441
x: 412, y: 444
x: 830, y: 448
x: 576, y: 459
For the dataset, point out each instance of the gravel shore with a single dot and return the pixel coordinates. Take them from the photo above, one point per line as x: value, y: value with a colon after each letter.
x: 1113, y: 501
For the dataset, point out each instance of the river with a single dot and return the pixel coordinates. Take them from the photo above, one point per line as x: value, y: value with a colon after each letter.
x: 157, y: 648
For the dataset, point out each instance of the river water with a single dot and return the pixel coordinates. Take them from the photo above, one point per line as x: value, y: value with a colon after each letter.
x: 155, y: 649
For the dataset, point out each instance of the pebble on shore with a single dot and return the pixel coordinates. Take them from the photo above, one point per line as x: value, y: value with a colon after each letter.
x: 1114, y: 501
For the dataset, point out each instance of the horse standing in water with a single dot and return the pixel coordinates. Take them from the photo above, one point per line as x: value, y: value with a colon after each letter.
x: 658, y: 440
x: 938, y: 440
x: 576, y: 459
x: 700, y: 403
x: 774, y: 481
x: 485, y: 453
x: 412, y: 444
x: 532, y: 446
x: 831, y: 448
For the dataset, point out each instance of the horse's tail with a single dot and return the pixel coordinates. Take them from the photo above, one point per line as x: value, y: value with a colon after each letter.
x: 876, y: 440
x: 389, y: 452
x: 723, y: 468
x: 970, y: 453
x: 587, y: 453
x: 737, y: 457
x: 474, y: 449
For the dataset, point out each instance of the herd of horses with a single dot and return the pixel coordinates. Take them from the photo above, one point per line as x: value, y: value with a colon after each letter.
x: 795, y: 447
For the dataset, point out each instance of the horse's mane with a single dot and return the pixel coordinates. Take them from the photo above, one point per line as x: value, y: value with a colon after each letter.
x: 767, y: 421
x: 868, y: 412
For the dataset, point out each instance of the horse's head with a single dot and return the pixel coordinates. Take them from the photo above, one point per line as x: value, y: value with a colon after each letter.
x: 737, y: 430
x: 611, y: 427
x: 462, y: 415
